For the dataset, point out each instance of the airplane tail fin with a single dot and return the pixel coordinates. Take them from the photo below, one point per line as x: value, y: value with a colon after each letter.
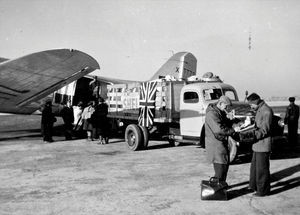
x: 180, y: 66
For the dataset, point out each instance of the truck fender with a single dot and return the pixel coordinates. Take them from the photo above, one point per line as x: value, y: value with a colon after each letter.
x: 145, y: 138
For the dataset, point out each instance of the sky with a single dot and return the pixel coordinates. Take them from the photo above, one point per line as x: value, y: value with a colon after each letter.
x: 132, y: 39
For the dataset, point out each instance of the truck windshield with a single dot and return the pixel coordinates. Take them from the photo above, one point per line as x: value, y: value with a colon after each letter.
x: 230, y: 94
x: 214, y: 94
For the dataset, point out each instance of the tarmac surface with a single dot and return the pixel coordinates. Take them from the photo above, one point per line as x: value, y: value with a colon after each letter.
x: 81, y: 177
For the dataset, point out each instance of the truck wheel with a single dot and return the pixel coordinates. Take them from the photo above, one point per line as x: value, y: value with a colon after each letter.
x: 232, y: 145
x: 133, y: 137
x: 145, y: 134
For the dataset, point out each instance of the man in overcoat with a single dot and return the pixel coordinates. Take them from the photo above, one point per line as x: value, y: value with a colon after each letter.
x: 217, y: 129
x: 291, y: 119
x: 47, y: 121
x: 68, y: 117
x: 260, y: 163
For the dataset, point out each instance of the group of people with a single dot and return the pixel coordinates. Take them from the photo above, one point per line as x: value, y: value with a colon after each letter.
x: 95, y: 122
x: 90, y: 121
x: 219, y: 126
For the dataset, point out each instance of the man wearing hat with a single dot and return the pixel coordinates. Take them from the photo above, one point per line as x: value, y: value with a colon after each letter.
x: 260, y: 163
x: 47, y: 121
x: 67, y: 114
x: 291, y: 119
x: 217, y: 129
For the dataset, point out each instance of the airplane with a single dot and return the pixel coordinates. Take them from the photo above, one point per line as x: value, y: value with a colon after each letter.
x: 25, y: 81
x: 180, y: 66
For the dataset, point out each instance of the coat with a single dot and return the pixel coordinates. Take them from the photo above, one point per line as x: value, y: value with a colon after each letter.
x: 48, y: 117
x: 99, y: 116
x: 99, y: 119
x: 86, y: 117
x: 262, y: 132
x: 292, y: 114
x: 217, y: 129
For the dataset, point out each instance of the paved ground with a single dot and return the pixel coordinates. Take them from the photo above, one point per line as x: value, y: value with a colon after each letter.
x: 80, y: 177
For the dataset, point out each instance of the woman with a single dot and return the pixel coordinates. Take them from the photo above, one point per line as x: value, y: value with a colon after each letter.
x: 86, y: 119
x: 100, y: 122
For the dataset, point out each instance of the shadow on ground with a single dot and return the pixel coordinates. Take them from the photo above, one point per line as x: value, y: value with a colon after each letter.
x: 278, y: 184
x: 167, y: 145
x: 280, y: 150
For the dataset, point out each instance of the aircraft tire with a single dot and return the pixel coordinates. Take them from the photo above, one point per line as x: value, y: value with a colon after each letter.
x: 145, y: 134
x: 133, y: 137
x: 232, y: 145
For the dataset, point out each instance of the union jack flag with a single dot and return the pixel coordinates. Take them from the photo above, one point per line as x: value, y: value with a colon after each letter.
x: 147, y: 103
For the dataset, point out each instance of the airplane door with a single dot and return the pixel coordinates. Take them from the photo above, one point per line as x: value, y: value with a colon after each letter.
x: 192, y: 113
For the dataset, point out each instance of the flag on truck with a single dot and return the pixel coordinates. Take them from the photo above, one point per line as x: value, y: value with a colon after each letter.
x: 147, y: 103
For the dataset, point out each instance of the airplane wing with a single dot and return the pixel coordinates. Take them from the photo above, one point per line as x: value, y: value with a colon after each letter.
x: 28, y: 79
x: 113, y: 80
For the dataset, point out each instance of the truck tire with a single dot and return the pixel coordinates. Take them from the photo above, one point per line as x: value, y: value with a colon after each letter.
x: 145, y: 138
x: 232, y: 145
x: 171, y: 142
x: 133, y: 137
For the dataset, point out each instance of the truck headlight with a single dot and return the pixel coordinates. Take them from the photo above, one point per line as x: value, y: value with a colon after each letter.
x: 281, y: 123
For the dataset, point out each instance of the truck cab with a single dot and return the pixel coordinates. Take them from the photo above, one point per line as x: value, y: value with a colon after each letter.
x: 194, y: 99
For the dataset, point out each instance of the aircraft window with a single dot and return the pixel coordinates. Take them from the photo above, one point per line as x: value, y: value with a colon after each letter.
x: 212, y: 94
x: 190, y: 97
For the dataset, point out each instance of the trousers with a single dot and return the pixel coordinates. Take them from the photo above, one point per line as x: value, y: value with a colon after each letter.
x: 260, y: 178
x: 293, y: 133
x: 221, y: 171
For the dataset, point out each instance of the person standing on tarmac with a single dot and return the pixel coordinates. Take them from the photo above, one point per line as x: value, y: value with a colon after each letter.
x: 100, y: 122
x: 78, y: 122
x: 291, y: 120
x: 47, y: 121
x: 86, y: 117
x: 260, y: 164
x: 217, y: 129
x: 68, y: 117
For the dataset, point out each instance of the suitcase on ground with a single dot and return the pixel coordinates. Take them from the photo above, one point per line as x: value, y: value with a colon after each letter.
x: 213, y: 189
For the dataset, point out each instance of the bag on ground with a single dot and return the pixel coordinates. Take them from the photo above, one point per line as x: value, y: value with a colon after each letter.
x: 213, y: 189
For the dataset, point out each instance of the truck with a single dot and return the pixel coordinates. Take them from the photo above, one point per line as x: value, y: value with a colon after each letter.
x: 170, y: 109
